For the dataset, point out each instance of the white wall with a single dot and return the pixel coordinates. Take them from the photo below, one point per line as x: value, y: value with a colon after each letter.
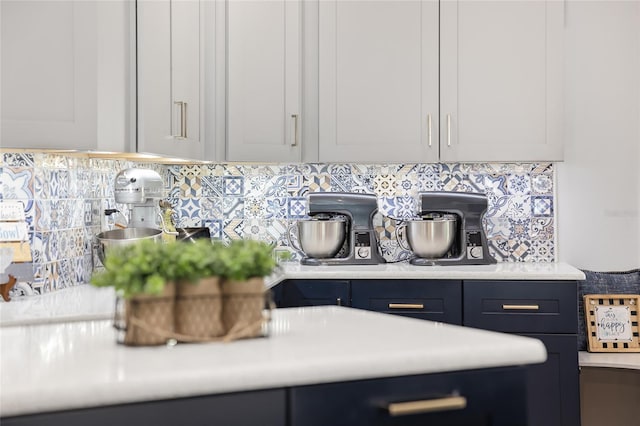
x: 598, y: 185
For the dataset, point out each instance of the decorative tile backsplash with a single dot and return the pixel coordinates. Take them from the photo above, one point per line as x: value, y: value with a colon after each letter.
x: 65, y: 197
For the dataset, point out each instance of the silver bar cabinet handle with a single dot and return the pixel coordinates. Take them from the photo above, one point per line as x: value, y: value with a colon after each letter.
x: 295, y: 129
x: 429, y: 128
x: 448, y: 129
x: 183, y: 120
x: 339, y: 301
x: 448, y: 403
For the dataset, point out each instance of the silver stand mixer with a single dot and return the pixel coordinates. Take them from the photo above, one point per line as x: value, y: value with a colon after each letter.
x: 340, y: 230
x: 141, y: 190
x: 452, y: 221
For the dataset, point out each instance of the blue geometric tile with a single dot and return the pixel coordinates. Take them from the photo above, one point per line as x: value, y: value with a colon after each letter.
x: 297, y: 207
x: 339, y: 169
x: 295, y: 183
x: 233, y: 185
x: 188, y: 209
x: 519, y: 250
x: 318, y: 182
x: 233, y: 229
x: 233, y: 207
x: 542, y: 205
x: 520, y: 228
x: 215, y: 227
x: 384, y: 185
x: 212, y: 186
x: 407, y: 185
x: 63, y: 183
x: 276, y: 208
x: 362, y: 184
x: 341, y: 182
x: 498, y: 227
x: 404, y: 207
x: 211, y: 208
x: 542, y: 251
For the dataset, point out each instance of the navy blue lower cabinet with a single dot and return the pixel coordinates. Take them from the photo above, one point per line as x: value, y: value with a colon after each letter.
x: 491, y: 397
x: 546, y: 310
x: 296, y: 293
x: 554, y: 391
x: 435, y: 300
x: 264, y: 408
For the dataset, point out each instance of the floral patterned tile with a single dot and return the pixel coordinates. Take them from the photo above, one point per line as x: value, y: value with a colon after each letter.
x: 16, y: 183
x: 519, y: 184
x: 17, y: 159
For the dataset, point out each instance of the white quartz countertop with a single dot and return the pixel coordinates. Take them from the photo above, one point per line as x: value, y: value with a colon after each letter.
x: 85, y: 302
x: 500, y: 271
x: 56, y: 366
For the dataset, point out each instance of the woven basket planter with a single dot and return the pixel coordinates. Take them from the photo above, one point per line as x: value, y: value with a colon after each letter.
x: 150, y: 319
x: 243, y: 302
x: 198, y: 309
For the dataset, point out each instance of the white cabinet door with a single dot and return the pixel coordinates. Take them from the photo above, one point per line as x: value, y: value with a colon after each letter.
x: 263, y: 80
x: 501, y: 80
x: 378, y: 81
x: 49, y: 79
x: 169, y: 77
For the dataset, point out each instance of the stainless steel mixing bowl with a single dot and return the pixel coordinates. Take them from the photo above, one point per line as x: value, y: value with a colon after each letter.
x: 321, y: 239
x: 431, y: 238
x: 108, y: 240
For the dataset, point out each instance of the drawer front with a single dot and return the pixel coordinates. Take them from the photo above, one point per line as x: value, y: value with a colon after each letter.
x: 435, y: 300
x: 521, y: 306
x: 482, y: 397
x: 296, y: 293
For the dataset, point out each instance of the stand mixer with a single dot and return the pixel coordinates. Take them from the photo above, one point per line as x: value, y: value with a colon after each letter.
x: 352, y: 235
x: 141, y: 191
x: 452, y: 220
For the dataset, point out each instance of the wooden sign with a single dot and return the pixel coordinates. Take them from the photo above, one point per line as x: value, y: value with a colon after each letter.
x: 612, y: 322
x: 13, y: 231
x: 11, y: 211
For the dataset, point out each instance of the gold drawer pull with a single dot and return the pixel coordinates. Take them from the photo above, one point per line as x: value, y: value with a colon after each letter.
x: 520, y: 307
x: 406, y: 306
x: 427, y: 406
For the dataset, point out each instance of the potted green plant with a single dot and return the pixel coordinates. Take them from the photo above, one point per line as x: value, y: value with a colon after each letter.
x: 244, y: 264
x: 196, y: 268
x: 139, y: 272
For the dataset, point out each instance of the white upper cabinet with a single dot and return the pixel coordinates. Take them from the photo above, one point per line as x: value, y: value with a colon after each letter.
x: 378, y: 81
x: 501, y: 85
x: 264, y: 118
x: 169, y: 78
x: 65, y: 69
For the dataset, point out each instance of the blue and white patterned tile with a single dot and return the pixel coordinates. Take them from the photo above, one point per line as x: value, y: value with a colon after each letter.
x: 295, y: 184
x: 542, y: 205
x: 542, y: 228
x: 519, y: 250
x: 43, y: 215
x: 519, y: 184
x: 495, y: 185
x: 233, y: 185
x: 398, y: 207
x: 407, y: 185
x: 427, y: 183
x: 363, y: 169
x: 211, y: 208
x: 499, y: 249
x: 542, y: 251
x: 341, y: 182
x: 64, y: 184
x: 215, y: 227
x: 276, y: 186
x: 339, y: 169
x: 520, y: 228
x: 39, y: 242
x: 498, y: 227
x: 65, y: 244
x: 84, y: 183
x: 16, y: 183
x: 233, y: 229
x: 52, y: 253
x: 40, y: 184
x: 498, y: 206
x: 254, y: 207
x: 451, y: 181
x: 188, y: 208
x: 189, y: 222
x: 18, y: 159
x: 87, y: 213
x: 276, y: 208
x: 296, y: 207
x: 519, y: 207
x: 362, y: 184
x: 542, y: 184
x: 256, y: 229
x: 254, y: 186
x: 539, y: 168
x: 233, y: 207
